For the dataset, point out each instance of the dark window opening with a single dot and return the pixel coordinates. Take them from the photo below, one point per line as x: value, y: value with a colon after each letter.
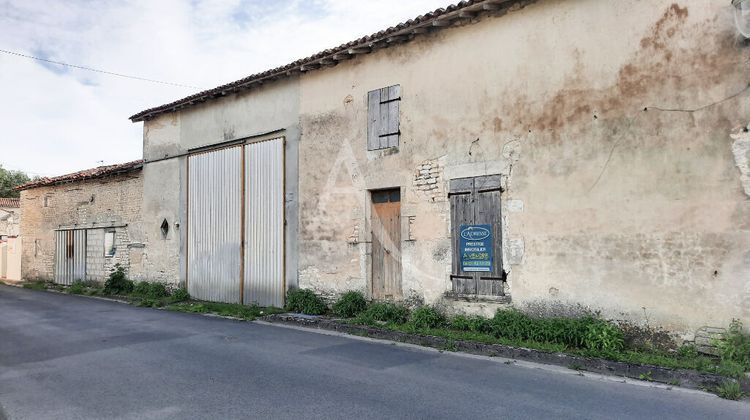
x: 386, y: 196
x: 164, y: 228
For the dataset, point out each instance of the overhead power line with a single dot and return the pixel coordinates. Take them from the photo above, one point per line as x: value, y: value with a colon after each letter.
x: 60, y: 63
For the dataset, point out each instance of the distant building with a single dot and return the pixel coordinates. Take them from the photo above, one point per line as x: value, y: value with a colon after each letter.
x: 10, y: 241
x: 79, y: 226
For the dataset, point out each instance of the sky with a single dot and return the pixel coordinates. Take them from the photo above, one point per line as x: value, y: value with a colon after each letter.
x: 55, y: 120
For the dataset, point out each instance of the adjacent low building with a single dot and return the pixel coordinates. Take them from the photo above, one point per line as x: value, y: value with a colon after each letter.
x: 79, y: 226
x: 10, y: 240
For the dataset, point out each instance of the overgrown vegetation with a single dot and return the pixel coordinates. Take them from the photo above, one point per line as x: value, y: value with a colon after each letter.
x: 117, y: 283
x: 305, y: 301
x: 234, y: 310
x: 35, y: 285
x: 350, y: 304
x: 150, y: 290
x: 383, y: 312
x: 730, y: 390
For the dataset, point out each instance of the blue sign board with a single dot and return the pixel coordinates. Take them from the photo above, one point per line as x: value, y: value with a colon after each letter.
x: 476, y: 247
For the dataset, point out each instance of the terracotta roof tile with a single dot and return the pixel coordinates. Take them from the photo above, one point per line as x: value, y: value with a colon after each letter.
x: 8, y: 203
x: 403, y: 32
x: 98, y: 172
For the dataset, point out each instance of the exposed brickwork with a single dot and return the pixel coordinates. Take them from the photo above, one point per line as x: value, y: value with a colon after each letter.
x: 428, y: 180
x: 112, y: 203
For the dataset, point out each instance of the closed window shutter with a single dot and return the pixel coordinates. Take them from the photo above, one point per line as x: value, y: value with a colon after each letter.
x: 383, y: 110
x: 476, y: 201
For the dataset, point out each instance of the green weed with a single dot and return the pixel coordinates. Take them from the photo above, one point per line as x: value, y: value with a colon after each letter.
x: 350, y: 304
x: 730, y: 390
x: 305, y: 301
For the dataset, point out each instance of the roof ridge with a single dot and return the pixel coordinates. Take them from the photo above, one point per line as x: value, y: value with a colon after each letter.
x: 91, y: 173
x: 437, y: 19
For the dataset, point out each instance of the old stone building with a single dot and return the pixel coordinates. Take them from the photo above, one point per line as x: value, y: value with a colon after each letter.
x: 10, y: 240
x: 552, y: 155
x: 79, y: 226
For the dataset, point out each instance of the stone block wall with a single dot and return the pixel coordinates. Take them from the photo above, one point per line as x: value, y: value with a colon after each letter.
x: 97, y: 205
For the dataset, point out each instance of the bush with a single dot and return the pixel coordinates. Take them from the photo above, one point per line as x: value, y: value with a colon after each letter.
x: 150, y: 290
x: 735, y: 347
x: 77, y: 288
x: 587, y: 332
x: 180, y: 295
x: 304, y: 301
x: 350, y: 304
x: 603, y: 336
x: 384, y: 312
x: 472, y: 323
x: 427, y: 317
x: 730, y: 390
x: 118, y: 283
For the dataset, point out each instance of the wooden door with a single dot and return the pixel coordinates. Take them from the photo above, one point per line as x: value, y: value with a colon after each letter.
x: 385, y: 220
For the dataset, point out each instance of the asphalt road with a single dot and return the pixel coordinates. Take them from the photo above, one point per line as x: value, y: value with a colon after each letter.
x: 70, y: 357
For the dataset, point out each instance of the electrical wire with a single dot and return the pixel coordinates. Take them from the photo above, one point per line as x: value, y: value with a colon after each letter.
x: 60, y: 63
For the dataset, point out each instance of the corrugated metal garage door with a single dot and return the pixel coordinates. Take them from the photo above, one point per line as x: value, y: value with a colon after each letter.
x: 224, y: 185
x: 70, y: 256
x: 264, y: 225
x: 214, y: 233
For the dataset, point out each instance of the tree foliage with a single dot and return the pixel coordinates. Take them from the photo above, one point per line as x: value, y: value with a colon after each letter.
x: 10, y: 180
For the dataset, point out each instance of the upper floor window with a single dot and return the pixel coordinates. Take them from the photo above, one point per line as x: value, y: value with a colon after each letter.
x: 383, y: 118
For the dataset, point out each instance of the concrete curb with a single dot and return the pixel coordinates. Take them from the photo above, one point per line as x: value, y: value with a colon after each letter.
x: 656, y: 374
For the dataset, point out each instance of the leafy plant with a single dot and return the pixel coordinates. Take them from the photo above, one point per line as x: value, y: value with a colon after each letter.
x: 117, y: 283
x: 384, y: 312
x: 35, y: 285
x: 77, y: 288
x: 180, y: 295
x: 426, y: 317
x: 735, y: 346
x: 304, y: 301
x: 151, y: 290
x: 603, y: 336
x: 687, y: 351
x: 470, y: 323
x: 646, y: 376
x: 350, y: 304
x: 730, y: 390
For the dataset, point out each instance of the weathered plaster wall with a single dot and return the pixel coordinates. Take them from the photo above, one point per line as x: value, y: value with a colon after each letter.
x: 112, y: 201
x: 611, y: 123
x: 167, y: 139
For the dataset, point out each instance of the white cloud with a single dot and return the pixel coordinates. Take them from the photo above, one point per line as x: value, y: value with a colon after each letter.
x: 57, y: 120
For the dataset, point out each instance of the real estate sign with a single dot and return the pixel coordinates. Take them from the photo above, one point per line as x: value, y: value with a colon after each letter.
x: 476, y: 247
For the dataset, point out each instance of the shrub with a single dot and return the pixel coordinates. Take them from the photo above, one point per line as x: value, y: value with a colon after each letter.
x: 384, y: 312
x: 730, y: 390
x: 473, y: 323
x: 350, y: 304
x: 150, y: 290
x: 603, y: 336
x: 141, y: 288
x: 180, y: 295
x: 77, y: 288
x: 117, y: 283
x: 735, y: 346
x: 587, y: 332
x: 427, y: 317
x: 304, y: 301
x: 687, y: 351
